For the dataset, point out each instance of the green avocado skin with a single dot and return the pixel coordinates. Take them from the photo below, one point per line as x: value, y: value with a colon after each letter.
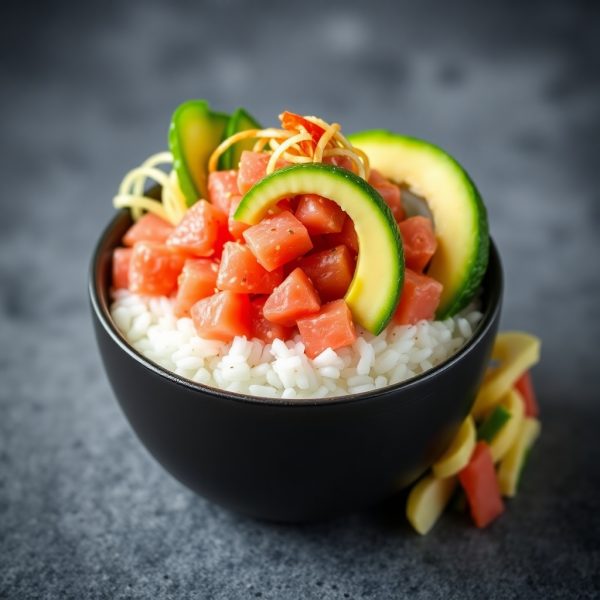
x: 475, y: 267
x: 241, y: 120
x: 375, y: 290
x: 479, y: 263
x: 194, y: 134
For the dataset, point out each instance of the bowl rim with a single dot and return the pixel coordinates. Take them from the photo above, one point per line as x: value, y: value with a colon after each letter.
x: 99, y: 300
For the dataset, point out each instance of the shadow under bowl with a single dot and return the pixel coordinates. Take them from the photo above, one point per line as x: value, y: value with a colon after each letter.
x: 291, y: 460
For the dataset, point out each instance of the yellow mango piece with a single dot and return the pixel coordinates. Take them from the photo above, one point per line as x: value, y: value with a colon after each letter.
x: 516, y: 352
x: 459, y: 453
x: 427, y: 500
x: 506, y: 437
x: 509, y: 470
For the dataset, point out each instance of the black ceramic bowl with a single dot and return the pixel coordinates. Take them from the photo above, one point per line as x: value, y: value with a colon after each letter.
x: 287, y: 460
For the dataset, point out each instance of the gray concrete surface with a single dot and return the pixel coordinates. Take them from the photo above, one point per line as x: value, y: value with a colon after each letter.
x: 512, y: 89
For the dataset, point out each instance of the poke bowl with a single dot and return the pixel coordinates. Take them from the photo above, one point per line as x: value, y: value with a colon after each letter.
x: 291, y: 459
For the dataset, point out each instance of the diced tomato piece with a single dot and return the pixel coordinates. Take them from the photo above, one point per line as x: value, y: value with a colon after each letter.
x: 479, y: 481
x: 120, y: 268
x: 319, y: 215
x: 197, y: 280
x: 253, y: 168
x: 331, y: 272
x: 236, y: 228
x: 240, y: 272
x: 222, y: 316
x: 389, y: 191
x: 419, y: 300
x: 278, y: 239
x: 331, y: 327
x: 262, y: 328
x: 347, y: 236
x: 149, y: 228
x: 293, y: 299
x: 222, y: 186
x: 418, y: 242
x: 293, y: 122
x: 202, y: 231
x: 524, y: 386
x: 154, y: 268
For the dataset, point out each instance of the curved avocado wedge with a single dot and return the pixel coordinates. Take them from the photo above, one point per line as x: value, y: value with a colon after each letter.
x: 194, y: 133
x: 459, y: 216
x: 375, y: 290
x: 240, y: 121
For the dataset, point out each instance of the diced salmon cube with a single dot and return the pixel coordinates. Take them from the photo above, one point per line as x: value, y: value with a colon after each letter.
x: 253, y: 168
x: 418, y: 241
x: 296, y: 297
x: 149, y: 228
x: 154, y: 268
x: 240, y: 272
x: 389, y: 191
x: 331, y: 327
x: 202, y: 231
x: 347, y: 236
x: 419, y: 300
x: 236, y: 228
x: 278, y: 239
x: 341, y: 161
x: 120, y: 268
x: 222, y: 186
x: 197, y: 280
x: 261, y: 327
x: 222, y: 316
x: 331, y: 272
x: 319, y: 215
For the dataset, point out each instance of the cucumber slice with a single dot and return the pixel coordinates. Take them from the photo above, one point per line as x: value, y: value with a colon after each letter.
x: 505, y: 437
x: 240, y: 121
x: 194, y: 134
x: 493, y: 424
x: 375, y: 289
x: 459, y: 216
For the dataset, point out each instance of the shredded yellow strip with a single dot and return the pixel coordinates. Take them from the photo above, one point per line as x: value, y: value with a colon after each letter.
x: 293, y: 153
x: 244, y: 135
x: 283, y: 143
x: 324, y: 141
x: 301, y: 137
x: 129, y: 201
x: 131, y: 191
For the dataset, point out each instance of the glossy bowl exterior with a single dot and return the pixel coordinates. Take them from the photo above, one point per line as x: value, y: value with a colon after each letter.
x: 290, y: 460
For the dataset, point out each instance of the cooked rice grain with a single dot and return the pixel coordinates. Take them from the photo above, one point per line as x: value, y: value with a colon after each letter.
x: 281, y: 369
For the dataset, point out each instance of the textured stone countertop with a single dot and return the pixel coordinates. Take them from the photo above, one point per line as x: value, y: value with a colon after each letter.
x: 87, y: 90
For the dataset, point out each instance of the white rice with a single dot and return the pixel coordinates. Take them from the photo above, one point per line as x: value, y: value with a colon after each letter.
x: 281, y: 369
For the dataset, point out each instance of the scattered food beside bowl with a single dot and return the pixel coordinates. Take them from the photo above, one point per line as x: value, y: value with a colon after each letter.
x: 485, y: 461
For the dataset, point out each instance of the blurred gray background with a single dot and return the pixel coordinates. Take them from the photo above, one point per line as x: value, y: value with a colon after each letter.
x: 511, y: 89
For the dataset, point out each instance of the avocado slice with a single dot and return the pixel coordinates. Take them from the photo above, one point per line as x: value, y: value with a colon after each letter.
x: 374, y: 292
x: 194, y: 133
x: 240, y: 121
x: 459, y: 215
